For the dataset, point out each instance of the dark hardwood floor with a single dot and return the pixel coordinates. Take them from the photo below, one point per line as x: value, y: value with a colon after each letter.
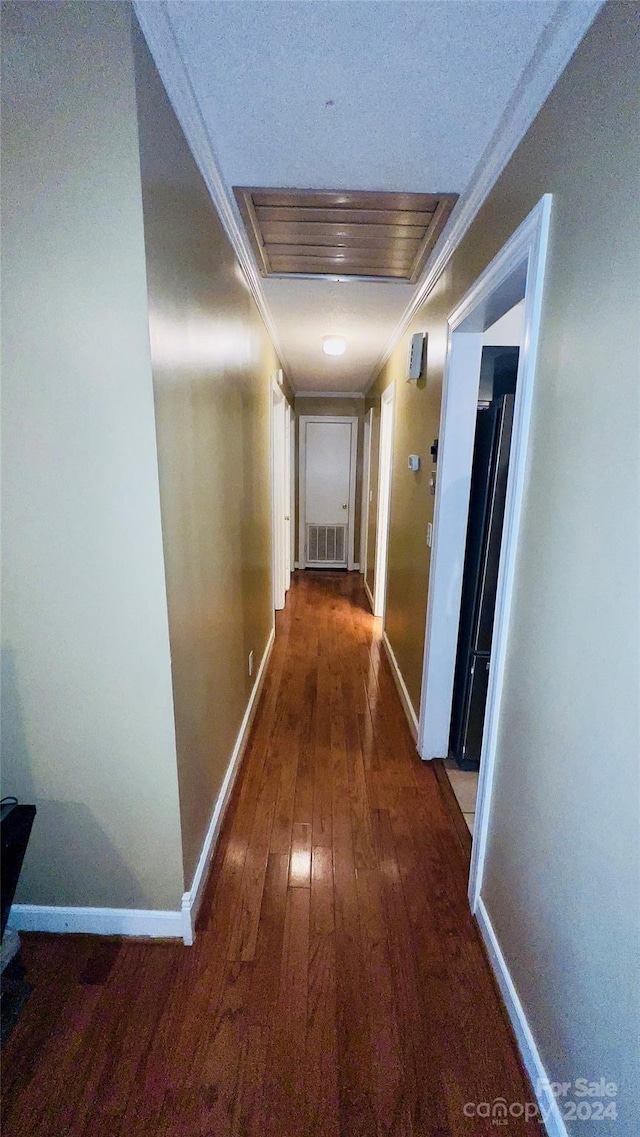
x: 338, y: 986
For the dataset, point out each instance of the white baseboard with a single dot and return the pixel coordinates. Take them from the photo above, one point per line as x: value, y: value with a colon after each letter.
x: 97, y: 921
x: 191, y: 900
x: 149, y: 922
x: 412, y: 718
x: 369, y: 594
x: 545, y: 1099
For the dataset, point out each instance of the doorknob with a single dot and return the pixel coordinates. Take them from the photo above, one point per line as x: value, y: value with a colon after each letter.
x: 345, y: 506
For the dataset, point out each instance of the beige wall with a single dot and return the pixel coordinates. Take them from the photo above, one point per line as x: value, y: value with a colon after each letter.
x: 212, y: 361
x: 87, y: 713
x: 328, y: 406
x: 373, y: 403
x: 561, y: 882
x: 416, y: 424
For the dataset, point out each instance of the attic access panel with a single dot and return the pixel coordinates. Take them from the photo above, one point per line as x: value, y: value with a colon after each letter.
x: 379, y: 236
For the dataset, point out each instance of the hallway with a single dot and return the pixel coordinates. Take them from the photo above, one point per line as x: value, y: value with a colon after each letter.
x: 337, y: 984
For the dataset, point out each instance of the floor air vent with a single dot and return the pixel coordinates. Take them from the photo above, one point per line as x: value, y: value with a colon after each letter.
x: 326, y: 544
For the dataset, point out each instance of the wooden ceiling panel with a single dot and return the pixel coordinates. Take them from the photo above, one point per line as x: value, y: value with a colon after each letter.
x: 358, y: 199
x: 340, y: 253
x: 341, y: 216
x: 329, y: 233
x: 312, y: 266
x: 383, y: 236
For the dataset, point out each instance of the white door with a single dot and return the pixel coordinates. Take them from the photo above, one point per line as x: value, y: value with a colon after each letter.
x: 327, y: 491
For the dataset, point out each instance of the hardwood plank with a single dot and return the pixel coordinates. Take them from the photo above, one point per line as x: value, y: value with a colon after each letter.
x: 300, y: 856
x: 321, y: 1049
x: 284, y: 1090
x: 356, y: 1106
x: 420, y: 1057
x: 389, y: 1079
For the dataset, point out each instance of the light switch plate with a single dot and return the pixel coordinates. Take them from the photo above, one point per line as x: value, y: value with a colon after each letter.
x: 414, y: 462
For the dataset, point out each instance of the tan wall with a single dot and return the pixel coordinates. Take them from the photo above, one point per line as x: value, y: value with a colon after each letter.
x: 331, y: 406
x: 373, y: 403
x: 87, y: 713
x: 212, y: 361
x: 561, y: 882
x: 416, y: 424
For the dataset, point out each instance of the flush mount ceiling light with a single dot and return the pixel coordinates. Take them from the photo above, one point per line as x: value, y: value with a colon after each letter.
x: 357, y: 235
x: 334, y: 345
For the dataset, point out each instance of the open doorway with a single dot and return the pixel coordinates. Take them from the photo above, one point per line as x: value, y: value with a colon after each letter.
x: 515, y: 276
x: 385, y: 469
x: 487, y: 496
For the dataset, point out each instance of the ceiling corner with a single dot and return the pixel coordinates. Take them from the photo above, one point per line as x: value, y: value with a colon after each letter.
x: 155, y: 22
x: 555, y: 48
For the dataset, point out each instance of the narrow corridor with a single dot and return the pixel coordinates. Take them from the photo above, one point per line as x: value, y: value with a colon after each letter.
x: 337, y: 985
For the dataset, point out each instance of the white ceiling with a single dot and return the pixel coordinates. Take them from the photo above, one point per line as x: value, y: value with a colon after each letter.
x: 337, y: 94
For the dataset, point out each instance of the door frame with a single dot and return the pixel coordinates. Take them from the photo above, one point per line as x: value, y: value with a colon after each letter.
x: 516, y: 272
x: 288, y: 474
x: 278, y: 406
x: 292, y: 487
x: 385, y: 485
x: 366, y: 492
x: 302, y: 520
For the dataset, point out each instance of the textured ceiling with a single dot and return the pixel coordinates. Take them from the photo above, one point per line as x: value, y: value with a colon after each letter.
x: 335, y: 94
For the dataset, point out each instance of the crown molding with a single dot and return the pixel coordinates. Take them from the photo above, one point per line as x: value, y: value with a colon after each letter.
x: 554, y: 49
x: 330, y: 395
x: 155, y: 22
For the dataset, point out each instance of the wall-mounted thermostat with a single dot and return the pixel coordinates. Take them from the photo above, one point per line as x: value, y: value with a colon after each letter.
x: 414, y: 462
x: 417, y: 356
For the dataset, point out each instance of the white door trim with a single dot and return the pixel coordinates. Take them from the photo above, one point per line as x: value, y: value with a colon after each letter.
x: 292, y: 488
x: 385, y: 480
x: 516, y: 272
x: 288, y: 474
x: 277, y: 433
x: 302, y: 520
x: 366, y: 490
